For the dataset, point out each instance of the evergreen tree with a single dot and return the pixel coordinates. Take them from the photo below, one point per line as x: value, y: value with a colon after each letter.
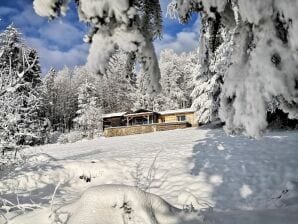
x: 119, y: 84
x: 144, y: 100
x: 50, y: 98
x: 67, y: 99
x: 210, y: 71
x: 176, y: 82
x: 61, y: 95
x: 88, y: 118
x: 176, y: 78
x: 21, y: 122
x: 262, y: 46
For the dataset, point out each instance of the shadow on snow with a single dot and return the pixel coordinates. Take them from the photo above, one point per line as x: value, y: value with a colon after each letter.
x: 243, y: 171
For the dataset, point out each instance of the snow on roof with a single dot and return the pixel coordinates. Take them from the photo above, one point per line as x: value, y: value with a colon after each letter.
x: 119, y: 114
x: 186, y: 110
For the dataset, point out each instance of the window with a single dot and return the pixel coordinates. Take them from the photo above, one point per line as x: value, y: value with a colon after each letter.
x: 181, y: 118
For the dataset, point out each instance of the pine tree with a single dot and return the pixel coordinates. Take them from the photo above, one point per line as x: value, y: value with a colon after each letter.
x: 144, y: 100
x: 67, y: 100
x: 21, y: 122
x: 176, y: 78
x: 209, y: 73
x: 50, y: 98
x: 89, y: 115
x: 119, y: 84
x: 61, y: 95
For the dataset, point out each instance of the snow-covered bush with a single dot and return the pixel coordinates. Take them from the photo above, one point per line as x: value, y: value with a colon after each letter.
x: 53, y: 137
x: 74, y: 136
x: 63, y: 139
x: 11, y: 159
x: 120, y: 204
x: 70, y: 137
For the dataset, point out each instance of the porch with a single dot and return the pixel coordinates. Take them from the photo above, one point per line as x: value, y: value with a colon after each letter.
x: 141, y: 117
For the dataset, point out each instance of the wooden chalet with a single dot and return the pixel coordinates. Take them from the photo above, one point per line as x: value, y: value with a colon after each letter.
x: 145, y: 121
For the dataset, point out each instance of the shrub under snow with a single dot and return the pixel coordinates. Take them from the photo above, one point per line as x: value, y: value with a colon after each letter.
x: 70, y: 137
x: 120, y: 204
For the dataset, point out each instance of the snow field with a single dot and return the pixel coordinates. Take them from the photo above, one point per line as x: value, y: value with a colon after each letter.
x: 188, y: 168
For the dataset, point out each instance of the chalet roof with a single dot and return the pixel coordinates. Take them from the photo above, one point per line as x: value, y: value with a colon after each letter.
x: 179, y: 111
x: 140, y: 114
x: 141, y: 111
x: 119, y: 114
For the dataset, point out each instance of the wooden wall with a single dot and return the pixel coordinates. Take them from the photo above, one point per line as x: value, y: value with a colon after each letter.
x: 190, y: 118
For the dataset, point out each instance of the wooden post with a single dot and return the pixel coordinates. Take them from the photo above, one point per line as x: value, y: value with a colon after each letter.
x: 127, y: 122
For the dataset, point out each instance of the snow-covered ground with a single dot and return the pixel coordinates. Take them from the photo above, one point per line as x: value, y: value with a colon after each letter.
x: 243, y: 180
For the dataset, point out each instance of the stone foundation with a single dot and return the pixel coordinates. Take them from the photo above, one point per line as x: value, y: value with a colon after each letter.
x: 142, y: 129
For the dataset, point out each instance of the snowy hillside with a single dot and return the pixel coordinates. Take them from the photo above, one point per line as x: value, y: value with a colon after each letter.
x: 203, y: 175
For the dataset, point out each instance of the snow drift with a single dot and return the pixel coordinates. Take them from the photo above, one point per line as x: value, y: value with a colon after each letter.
x: 119, y: 204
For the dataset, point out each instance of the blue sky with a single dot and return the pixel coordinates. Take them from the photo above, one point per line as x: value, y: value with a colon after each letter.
x: 60, y: 42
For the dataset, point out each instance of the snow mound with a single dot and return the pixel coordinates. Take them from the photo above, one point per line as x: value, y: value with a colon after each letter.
x: 40, y: 157
x: 120, y: 204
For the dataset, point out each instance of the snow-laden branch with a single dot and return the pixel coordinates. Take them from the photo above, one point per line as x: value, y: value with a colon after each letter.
x: 115, y: 24
x: 18, y: 81
x: 256, y: 62
x: 7, y: 206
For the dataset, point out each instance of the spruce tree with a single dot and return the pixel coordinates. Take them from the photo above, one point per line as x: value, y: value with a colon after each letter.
x: 89, y: 115
x: 21, y: 122
x: 119, y: 84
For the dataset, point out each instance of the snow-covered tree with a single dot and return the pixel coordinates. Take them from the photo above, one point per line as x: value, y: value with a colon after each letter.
x: 21, y: 120
x: 67, y: 99
x: 61, y: 95
x: 89, y: 116
x: 50, y: 97
x: 81, y: 73
x: 176, y: 82
x: 262, y: 62
x: 144, y: 100
x: 210, y: 70
x: 176, y: 78
x: 118, y: 84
